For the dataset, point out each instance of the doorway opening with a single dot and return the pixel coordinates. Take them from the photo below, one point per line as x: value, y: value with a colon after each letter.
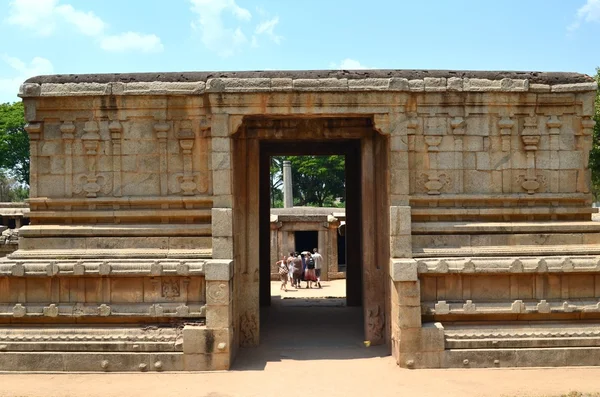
x: 330, y: 313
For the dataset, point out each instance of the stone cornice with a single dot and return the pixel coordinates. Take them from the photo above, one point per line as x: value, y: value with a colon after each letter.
x: 393, y: 81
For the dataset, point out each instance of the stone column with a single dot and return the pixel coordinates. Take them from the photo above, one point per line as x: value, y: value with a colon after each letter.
x: 35, y: 132
x: 322, y: 245
x: 288, y: 195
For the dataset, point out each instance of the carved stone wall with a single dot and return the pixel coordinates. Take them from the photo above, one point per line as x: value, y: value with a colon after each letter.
x: 469, y: 181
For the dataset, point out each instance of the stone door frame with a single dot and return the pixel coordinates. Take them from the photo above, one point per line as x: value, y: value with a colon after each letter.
x: 373, y: 150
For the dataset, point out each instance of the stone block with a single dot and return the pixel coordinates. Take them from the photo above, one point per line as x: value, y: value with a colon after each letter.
x: 222, y: 247
x: 219, y: 316
x: 409, y: 317
x: 473, y: 143
x: 428, y: 338
x: 220, y: 144
x: 409, y: 293
x: 403, y: 270
x: 218, y: 270
x: 435, y: 84
x: 197, y: 339
x: 399, y: 182
x: 207, y: 362
x: 418, y: 360
x: 221, y: 161
x: 483, y: 161
x: 222, y: 222
x: 570, y: 159
x: 221, y: 182
x: 401, y: 246
x: 281, y: 84
x: 400, y: 220
x: 218, y: 293
x: 477, y: 181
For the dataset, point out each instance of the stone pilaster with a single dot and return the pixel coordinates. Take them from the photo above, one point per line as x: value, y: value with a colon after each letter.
x: 116, y: 130
x: 583, y: 138
x: 553, y: 123
x: 67, y: 130
x: 187, y: 138
x: 35, y: 134
x: 458, y: 131
x: 530, y: 137
x: 162, y: 133
x: 92, y: 181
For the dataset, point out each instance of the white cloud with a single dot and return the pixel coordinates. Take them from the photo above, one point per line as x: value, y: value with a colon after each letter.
x: 9, y: 87
x: 44, y: 16
x: 36, y: 15
x: 131, y: 41
x: 348, y: 64
x: 87, y: 23
x: 223, y: 40
x: 267, y: 27
x: 589, y: 12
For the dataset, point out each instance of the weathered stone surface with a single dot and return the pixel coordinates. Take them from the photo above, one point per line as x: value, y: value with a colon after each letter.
x: 474, y: 204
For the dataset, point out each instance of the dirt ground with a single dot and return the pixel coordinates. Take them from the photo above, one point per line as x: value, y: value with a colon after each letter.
x: 311, y: 347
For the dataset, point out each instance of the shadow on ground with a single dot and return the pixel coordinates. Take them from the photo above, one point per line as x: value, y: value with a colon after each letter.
x: 308, y: 329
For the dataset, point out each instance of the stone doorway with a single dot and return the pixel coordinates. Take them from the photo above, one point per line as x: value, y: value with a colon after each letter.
x: 350, y: 149
x: 367, y: 248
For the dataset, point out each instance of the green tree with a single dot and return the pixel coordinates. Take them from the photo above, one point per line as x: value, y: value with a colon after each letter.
x: 317, y: 180
x: 595, y: 152
x: 11, y: 190
x: 14, y: 142
x: 276, y: 181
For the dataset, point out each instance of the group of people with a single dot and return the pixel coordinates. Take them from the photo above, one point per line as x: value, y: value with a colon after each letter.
x: 300, y: 267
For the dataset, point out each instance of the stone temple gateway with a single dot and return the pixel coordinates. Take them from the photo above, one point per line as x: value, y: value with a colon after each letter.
x: 470, y: 206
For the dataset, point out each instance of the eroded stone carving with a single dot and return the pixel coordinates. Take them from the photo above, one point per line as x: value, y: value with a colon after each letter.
x: 217, y: 294
x: 170, y: 288
x: 376, y: 322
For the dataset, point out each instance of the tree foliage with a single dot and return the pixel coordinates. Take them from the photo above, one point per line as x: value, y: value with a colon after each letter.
x: 10, y: 190
x: 595, y: 153
x: 317, y: 180
x: 14, y: 142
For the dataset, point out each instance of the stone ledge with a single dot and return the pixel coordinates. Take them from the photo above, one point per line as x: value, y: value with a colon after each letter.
x: 546, y: 227
x: 99, y: 255
x: 80, y: 310
x: 99, y: 267
x: 532, y: 357
x: 267, y: 84
x: 518, y: 306
x: 117, y: 230
x: 57, y: 338
x: 531, y: 250
x: 511, y: 265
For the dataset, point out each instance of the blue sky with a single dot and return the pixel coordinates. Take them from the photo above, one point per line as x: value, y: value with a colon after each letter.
x: 100, y: 36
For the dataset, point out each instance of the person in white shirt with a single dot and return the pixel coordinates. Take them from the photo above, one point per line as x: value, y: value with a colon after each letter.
x: 318, y: 265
